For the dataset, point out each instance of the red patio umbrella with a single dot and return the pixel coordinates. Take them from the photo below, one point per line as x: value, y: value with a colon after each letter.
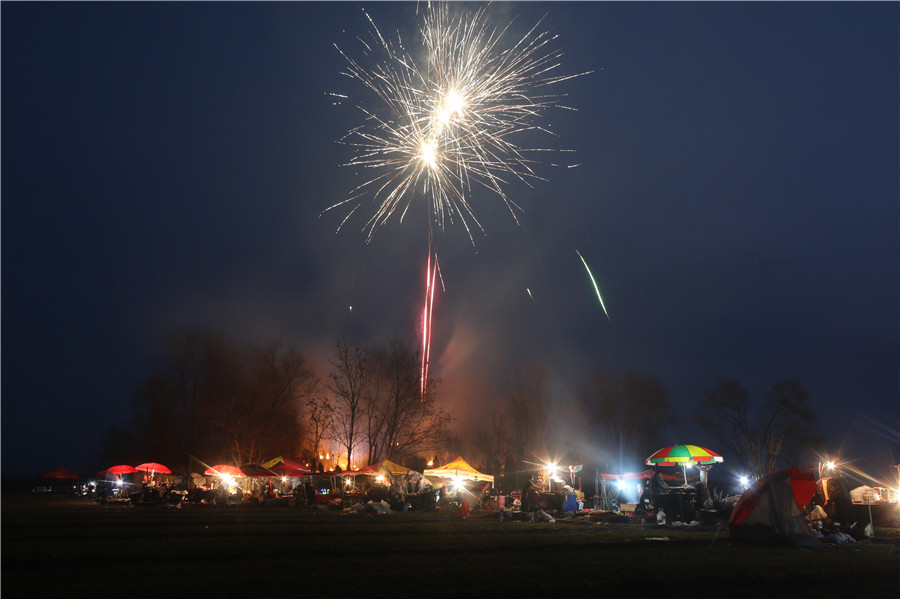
x: 223, y: 469
x: 153, y: 467
x: 121, y: 469
x: 59, y: 472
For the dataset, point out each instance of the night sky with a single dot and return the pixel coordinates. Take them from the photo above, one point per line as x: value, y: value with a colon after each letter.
x: 168, y: 164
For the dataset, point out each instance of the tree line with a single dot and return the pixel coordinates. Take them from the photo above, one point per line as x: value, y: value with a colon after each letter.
x: 624, y: 412
x: 209, y: 400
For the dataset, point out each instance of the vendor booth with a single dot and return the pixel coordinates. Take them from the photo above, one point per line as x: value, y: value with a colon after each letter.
x: 385, y: 480
x: 458, y: 469
x: 622, y: 490
x: 403, y: 480
x: 58, y: 481
x: 458, y: 475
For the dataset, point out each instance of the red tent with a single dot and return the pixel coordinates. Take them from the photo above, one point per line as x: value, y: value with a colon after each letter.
x: 60, y: 472
x: 770, y: 511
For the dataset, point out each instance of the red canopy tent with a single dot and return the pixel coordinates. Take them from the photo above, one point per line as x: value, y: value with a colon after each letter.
x: 257, y: 471
x: 59, y: 473
x: 645, y: 475
x: 291, y: 468
x: 372, y: 469
x: 284, y: 467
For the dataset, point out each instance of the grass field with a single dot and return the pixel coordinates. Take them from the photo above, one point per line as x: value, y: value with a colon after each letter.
x: 60, y: 547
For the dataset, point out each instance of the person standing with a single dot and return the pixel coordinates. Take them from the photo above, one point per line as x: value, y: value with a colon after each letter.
x: 530, y: 499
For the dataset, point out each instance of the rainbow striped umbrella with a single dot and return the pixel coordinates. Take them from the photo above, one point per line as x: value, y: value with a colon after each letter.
x: 677, y: 455
x: 684, y: 456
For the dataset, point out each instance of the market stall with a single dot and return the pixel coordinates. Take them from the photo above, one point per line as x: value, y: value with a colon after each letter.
x: 458, y: 469
x: 624, y: 490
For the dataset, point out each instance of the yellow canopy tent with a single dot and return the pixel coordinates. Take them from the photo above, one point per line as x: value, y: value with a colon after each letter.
x: 395, y: 468
x: 386, y: 468
x: 458, y: 468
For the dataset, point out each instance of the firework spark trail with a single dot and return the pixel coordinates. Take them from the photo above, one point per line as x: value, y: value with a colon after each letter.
x: 594, y: 281
x: 448, y: 123
x: 430, y: 280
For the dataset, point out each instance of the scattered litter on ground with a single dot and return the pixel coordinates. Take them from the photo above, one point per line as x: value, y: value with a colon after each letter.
x: 839, y: 537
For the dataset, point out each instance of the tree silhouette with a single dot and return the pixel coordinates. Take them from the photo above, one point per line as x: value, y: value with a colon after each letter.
x: 782, y: 427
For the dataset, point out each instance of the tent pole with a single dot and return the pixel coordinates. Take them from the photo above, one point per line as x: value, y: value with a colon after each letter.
x: 871, y: 523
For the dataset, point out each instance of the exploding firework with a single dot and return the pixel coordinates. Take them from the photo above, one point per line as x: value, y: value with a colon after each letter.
x: 444, y: 124
x: 440, y: 126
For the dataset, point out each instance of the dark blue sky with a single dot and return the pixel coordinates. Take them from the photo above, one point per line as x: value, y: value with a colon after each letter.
x: 166, y: 164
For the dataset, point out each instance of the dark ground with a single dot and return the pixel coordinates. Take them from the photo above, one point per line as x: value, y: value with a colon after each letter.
x: 62, y: 547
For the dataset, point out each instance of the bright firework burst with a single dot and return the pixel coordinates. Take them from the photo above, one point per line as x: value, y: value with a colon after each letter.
x: 450, y: 121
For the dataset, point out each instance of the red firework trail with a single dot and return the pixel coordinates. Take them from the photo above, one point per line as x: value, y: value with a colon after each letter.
x: 430, y: 278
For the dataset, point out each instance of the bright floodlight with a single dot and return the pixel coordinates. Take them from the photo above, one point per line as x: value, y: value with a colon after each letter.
x: 745, y: 482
